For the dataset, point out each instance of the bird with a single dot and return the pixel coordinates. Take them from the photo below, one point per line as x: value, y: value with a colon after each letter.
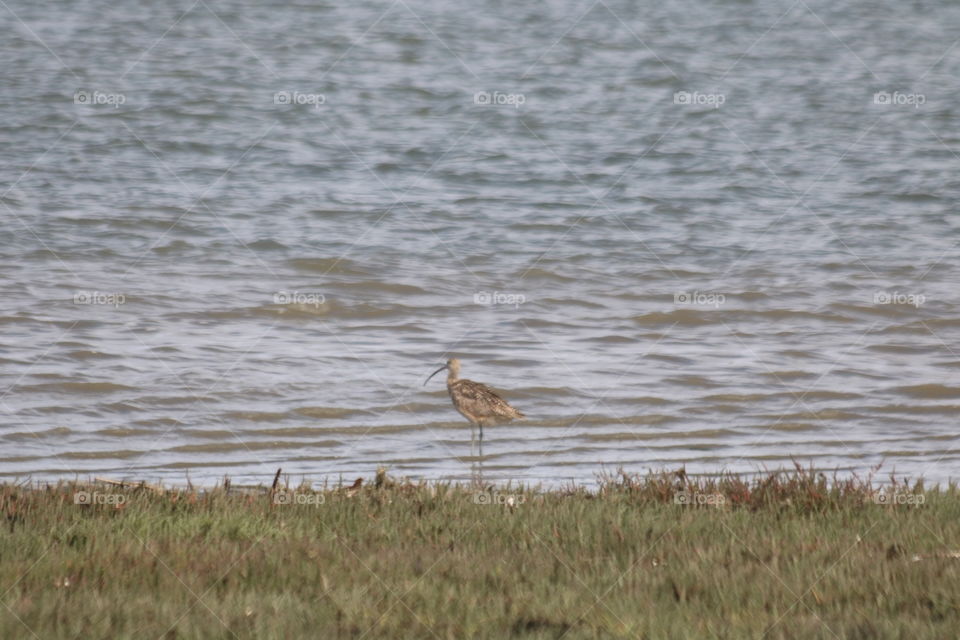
x: 475, y: 401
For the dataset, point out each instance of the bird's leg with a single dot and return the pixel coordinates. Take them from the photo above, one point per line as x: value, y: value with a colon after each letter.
x: 473, y: 436
x: 478, y: 461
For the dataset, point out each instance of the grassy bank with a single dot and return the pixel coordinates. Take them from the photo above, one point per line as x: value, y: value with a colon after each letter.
x: 791, y: 555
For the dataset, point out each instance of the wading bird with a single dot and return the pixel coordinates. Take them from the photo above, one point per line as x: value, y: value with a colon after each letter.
x: 476, y: 402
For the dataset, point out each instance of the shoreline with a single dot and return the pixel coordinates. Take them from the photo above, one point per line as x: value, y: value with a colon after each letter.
x: 666, y: 482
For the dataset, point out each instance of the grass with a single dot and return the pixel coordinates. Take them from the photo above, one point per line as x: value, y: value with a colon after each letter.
x: 788, y: 555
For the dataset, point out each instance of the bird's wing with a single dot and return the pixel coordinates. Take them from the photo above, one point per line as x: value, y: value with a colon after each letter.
x: 480, y: 400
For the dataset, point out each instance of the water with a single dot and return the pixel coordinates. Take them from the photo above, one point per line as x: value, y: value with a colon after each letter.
x: 202, y: 278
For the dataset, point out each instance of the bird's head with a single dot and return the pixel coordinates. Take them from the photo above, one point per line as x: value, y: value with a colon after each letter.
x: 453, y: 366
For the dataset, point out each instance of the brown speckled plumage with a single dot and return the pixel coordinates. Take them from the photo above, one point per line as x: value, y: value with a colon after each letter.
x: 476, y: 402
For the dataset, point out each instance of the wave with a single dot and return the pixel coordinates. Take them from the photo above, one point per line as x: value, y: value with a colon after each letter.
x: 930, y: 391
x: 338, y: 266
x: 76, y: 387
x: 233, y: 445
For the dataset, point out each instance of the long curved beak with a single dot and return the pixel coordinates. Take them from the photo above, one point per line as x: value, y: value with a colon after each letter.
x: 435, y: 373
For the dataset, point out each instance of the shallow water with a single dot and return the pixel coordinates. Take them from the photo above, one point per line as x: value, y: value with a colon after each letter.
x: 207, y: 279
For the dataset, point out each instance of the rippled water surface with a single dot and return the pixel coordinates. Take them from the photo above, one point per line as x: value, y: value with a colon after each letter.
x: 238, y: 236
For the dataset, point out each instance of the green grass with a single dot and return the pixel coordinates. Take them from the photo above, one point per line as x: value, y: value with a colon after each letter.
x: 790, y: 555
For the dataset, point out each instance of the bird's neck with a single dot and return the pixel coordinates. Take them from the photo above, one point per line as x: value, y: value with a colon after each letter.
x: 452, y: 377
